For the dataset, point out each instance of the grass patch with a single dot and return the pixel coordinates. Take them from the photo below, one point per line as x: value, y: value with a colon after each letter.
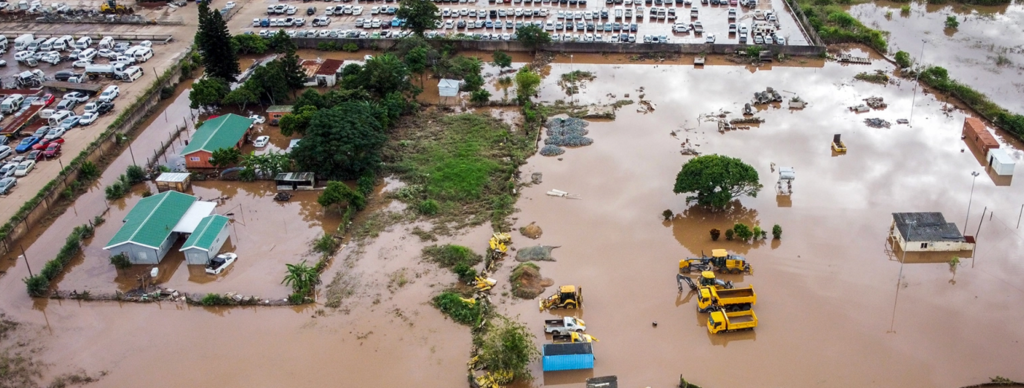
x: 452, y: 305
x: 836, y: 26
x: 376, y: 223
x: 938, y: 78
x: 341, y: 287
x: 449, y: 256
x: 877, y: 77
x: 459, y: 169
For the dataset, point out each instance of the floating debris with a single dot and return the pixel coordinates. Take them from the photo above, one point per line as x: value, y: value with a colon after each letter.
x: 550, y: 150
x: 769, y: 95
x: 860, y: 108
x: 902, y: 121
x: 876, y: 123
x: 537, y: 177
x: 797, y: 103
x: 875, y: 102
x: 747, y: 120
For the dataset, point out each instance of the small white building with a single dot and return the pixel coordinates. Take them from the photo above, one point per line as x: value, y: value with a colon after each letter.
x: 927, y: 232
x: 1001, y: 161
x: 448, y: 87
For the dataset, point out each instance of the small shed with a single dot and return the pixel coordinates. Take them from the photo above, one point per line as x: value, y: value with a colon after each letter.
x: 448, y: 87
x: 975, y: 131
x: 277, y: 111
x: 1001, y: 161
x: 177, y: 181
x: 927, y: 232
x: 328, y: 72
x: 295, y: 181
x: 206, y: 240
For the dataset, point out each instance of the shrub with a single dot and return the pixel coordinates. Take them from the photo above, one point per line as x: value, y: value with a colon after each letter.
x: 951, y: 22
x: 88, y: 171
x: 903, y: 59
x: 115, y: 191
x: 325, y: 245
x: 452, y: 305
x: 135, y: 174
x: 120, y: 261
x: 667, y: 214
x: 742, y: 231
x: 754, y: 51
x: 509, y: 347
x: 480, y: 97
x: 777, y: 231
x: 212, y: 299
x: 905, y: 10
x: 428, y: 207
x: 296, y: 298
x: 365, y: 185
x: 729, y: 234
x: 448, y: 256
x: 757, y: 231
x: 350, y: 47
x: 466, y: 273
x: 715, y: 233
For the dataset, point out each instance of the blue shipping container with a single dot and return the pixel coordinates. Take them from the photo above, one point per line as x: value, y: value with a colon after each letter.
x: 570, y: 356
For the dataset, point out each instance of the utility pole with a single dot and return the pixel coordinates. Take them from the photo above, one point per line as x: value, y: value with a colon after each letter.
x: 899, y: 279
x: 24, y: 256
x: 975, y: 175
x: 917, y: 83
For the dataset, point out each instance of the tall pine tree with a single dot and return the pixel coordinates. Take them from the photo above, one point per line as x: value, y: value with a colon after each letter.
x: 290, y: 63
x: 214, y: 43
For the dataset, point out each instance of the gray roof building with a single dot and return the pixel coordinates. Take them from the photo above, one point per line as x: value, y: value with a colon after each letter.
x: 928, y: 231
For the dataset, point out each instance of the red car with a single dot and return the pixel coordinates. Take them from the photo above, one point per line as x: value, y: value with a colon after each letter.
x: 47, y: 99
x: 42, y: 144
x: 52, y: 150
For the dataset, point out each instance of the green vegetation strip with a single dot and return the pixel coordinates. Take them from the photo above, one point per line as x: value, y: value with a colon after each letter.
x: 39, y: 285
x: 836, y: 26
x: 938, y: 78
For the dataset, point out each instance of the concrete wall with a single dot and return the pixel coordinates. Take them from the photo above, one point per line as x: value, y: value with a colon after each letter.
x: 573, y: 47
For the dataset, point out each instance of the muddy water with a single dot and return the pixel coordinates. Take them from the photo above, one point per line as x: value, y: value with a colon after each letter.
x: 827, y: 289
x: 985, y: 52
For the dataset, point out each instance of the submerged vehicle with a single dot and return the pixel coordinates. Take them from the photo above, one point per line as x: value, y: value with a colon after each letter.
x: 220, y: 263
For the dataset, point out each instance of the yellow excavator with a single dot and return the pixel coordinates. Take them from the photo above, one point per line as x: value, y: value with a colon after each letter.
x: 567, y: 297
x: 707, y: 279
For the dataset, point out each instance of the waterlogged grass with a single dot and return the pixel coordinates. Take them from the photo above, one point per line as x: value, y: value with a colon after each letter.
x: 938, y: 78
x: 836, y: 26
x: 449, y: 255
x: 458, y: 168
x: 452, y: 305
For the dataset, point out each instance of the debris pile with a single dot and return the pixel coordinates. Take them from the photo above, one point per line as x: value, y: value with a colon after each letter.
x: 769, y: 95
x: 876, y: 123
x: 532, y: 231
x: 282, y: 196
x: 746, y: 120
x: 875, y: 102
x: 550, y: 150
x: 569, y: 132
x: 536, y: 253
x: 797, y: 103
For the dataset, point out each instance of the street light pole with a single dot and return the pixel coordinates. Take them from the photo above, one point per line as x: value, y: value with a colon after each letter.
x: 975, y: 179
x: 906, y: 244
x: 917, y: 83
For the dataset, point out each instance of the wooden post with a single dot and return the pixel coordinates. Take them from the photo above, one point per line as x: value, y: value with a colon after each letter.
x: 24, y: 256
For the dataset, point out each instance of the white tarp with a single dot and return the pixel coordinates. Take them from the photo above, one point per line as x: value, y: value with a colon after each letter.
x: 448, y: 87
x: 787, y: 173
x: 194, y: 214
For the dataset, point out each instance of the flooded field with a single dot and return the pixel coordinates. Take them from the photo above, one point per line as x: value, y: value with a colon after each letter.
x: 986, y: 51
x: 833, y: 302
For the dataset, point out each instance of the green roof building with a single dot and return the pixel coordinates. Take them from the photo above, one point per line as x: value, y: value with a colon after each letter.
x: 149, y: 228
x: 224, y: 131
x: 206, y: 240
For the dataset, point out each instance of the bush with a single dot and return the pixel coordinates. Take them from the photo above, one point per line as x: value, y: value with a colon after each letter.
x: 325, y: 245
x: 754, y: 51
x: 951, y: 22
x: 742, y: 231
x: 667, y: 214
x: 757, y: 231
x: 135, y: 174
x: 715, y: 233
x: 88, y: 171
x: 115, y: 191
x: 903, y: 59
x: 777, y: 231
x: 448, y: 256
x: 350, y: 47
x: 508, y: 347
x: 38, y: 285
x: 428, y: 207
x: 212, y: 299
x: 466, y: 273
x: 452, y: 305
x: 905, y: 10
x: 365, y: 185
x: 296, y: 298
x: 480, y: 97
x: 729, y: 233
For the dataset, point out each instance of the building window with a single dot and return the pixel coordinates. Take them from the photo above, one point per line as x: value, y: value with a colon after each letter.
x: 924, y: 245
x: 193, y: 158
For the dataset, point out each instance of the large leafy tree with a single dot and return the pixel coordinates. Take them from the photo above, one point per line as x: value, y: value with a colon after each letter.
x: 207, y: 92
x: 297, y: 121
x: 215, y: 44
x: 416, y: 62
x: 337, y: 193
x: 242, y: 97
x: 527, y: 82
x: 270, y: 82
x: 508, y: 347
x: 342, y: 142
x: 291, y: 64
x: 249, y: 44
x: 715, y: 180
x: 225, y: 157
x: 382, y: 75
x: 533, y: 36
x: 502, y: 60
x: 419, y: 15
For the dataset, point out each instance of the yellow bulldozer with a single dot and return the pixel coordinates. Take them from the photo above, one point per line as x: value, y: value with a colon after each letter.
x: 567, y: 297
x: 112, y: 7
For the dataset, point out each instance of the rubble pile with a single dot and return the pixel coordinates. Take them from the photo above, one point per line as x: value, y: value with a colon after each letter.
x: 569, y: 132
x: 769, y: 95
x: 875, y: 102
x: 550, y: 150
x: 876, y: 123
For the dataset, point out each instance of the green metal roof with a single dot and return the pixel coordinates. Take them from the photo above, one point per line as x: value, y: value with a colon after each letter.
x: 206, y: 232
x: 151, y: 220
x: 222, y: 132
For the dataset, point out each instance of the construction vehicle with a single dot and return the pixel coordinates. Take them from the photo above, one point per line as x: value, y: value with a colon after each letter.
x: 707, y: 279
x: 736, y: 299
x: 725, y: 262
x: 721, y: 321
x: 567, y: 297
x: 112, y: 7
x: 573, y: 337
x: 565, y: 325
x: 689, y: 265
x: 499, y: 243
x: 484, y: 283
x: 837, y: 144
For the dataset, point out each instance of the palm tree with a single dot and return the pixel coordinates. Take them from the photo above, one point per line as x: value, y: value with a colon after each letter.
x: 301, y: 277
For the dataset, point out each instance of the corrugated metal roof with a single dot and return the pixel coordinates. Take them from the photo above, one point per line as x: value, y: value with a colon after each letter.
x: 926, y: 226
x: 152, y: 219
x: 329, y: 67
x: 222, y: 132
x: 206, y: 233
x: 173, y: 177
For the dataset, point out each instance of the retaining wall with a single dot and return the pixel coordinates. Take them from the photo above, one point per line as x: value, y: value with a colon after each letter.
x: 571, y: 47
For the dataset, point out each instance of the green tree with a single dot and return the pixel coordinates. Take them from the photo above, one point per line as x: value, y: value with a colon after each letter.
x: 310, y: 97
x: 301, y: 277
x: 291, y: 64
x: 742, y: 231
x: 266, y: 165
x: 903, y: 59
x: 298, y: 121
x: 416, y: 62
x: 215, y: 45
x: 338, y: 193
x: 135, y: 174
x: 207, y: 92
x: 270, y: 81
x: 716, y: 180
x: 420, y: 15
x: 951, y: 22
x: 383, y: 74
x: 480, y: 97
x: 249, y: 44
x: 508, y: 346
x: 526, y: 84
x: 502, y: 60
x: 341, y: 142
x: 225, y: 157
x: 533, y: 36
x: 242, y: 96
x: 473, y: 82
x: 281, y: 42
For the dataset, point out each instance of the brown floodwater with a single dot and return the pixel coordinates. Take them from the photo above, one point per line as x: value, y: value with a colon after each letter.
x: 829, y: 306
x: 986, y: 51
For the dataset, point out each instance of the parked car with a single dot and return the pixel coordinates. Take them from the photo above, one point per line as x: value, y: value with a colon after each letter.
x: 57, y: 132
x: 220, y: 263
x: 91, y: 107
x: 52, y: 150
x: 104, y: 107
x: 41, y: 132
x: 47, y: 99
x: 42, y: 144
x: 70, y: 122
x: 88, y: 118
x: 66, y: 104
x: 76, y: 96
x: 8, y: 170
x: 7, y: 184
x: 5, y: 151
x: 261, y: 141
x: 34, y: 155
x: 257, y: 119
x: 81, y: 63
x: 26, y: 144
x: 24, y: 168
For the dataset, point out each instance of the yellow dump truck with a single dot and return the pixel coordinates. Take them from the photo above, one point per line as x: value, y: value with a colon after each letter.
x: 736, y: 299
x: 721, y: 321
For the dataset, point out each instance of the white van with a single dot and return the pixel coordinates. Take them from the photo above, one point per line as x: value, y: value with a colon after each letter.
x: 47, y: 44
x: 34, y: 46
x: 21, y: 42
x: 3, y: 40
x: 142, y: 54
x: 11, y: 104
x: 131, y: 74
x: 83, y: 43
x: 87, y: 54
x: 46, y: 113
x: 107, y: 43
x: 58, y: 116
x: 62, y: 43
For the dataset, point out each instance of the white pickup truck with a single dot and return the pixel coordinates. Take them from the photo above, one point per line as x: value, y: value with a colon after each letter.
x: 565, y: 325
